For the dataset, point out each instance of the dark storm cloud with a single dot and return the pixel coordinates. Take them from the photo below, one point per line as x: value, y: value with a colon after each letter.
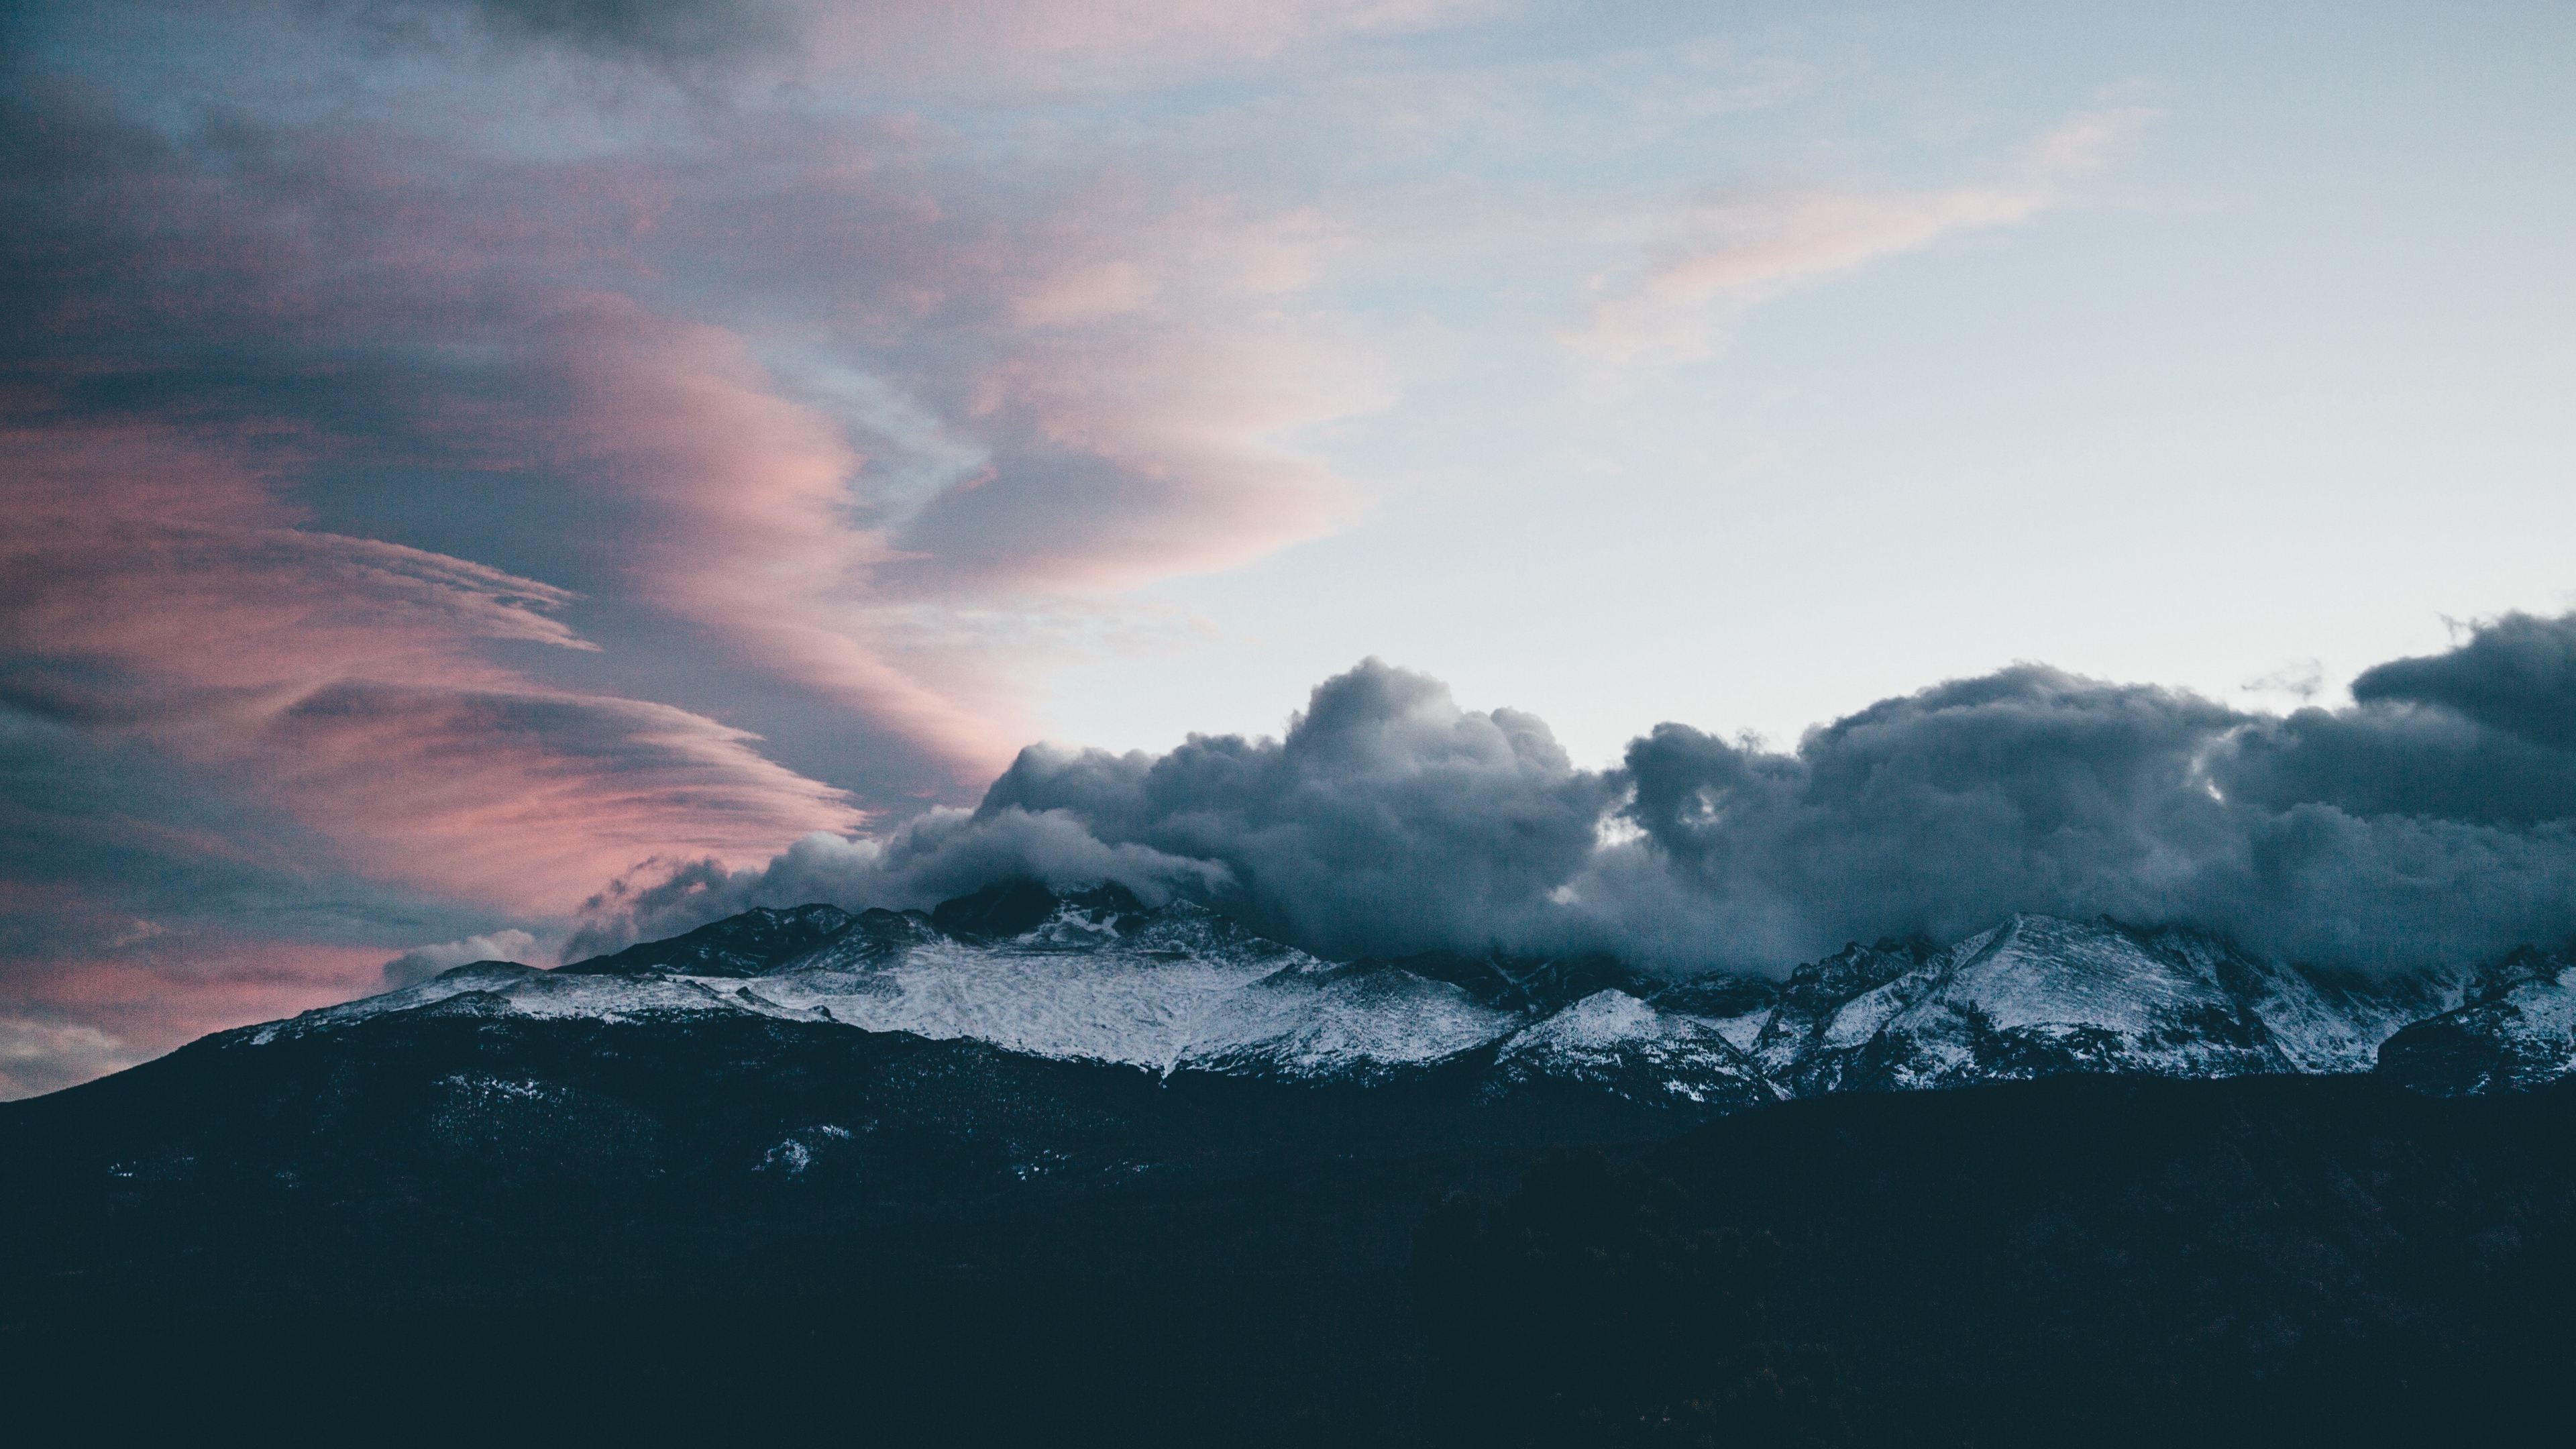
x: 2479, y: 734
x: 1386, y: 819
x: 2516, y: 674
x: 2373, y: 836
x: 2401, y: 759
x: 2025, y: 789
x: 2434, y: 821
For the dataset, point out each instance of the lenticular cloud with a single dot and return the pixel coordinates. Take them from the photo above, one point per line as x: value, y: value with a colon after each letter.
x: 2432, y: 820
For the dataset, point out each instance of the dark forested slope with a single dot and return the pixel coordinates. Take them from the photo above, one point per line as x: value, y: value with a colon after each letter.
x: 2262, y: 1260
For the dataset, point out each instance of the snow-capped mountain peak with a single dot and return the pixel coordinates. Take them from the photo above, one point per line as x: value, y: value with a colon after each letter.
x: 1616, y: 1042
x: 1093, y: 975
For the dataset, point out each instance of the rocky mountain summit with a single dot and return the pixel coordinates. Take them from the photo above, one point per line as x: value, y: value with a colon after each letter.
x: 1094, y: 976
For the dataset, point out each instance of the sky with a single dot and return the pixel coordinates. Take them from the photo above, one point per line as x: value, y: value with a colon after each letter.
x: 497, y: 477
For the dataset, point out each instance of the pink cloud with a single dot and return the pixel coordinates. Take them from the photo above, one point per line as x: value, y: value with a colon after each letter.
x: 374, y: 501
x: 1130, y: 364
x: 1128, y: 361
x: 343, y: 680
x: 79, y: 1017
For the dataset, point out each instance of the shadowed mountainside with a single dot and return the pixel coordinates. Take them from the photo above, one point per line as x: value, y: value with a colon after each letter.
x: 2265, y: 1260
x: 1142, y: 1176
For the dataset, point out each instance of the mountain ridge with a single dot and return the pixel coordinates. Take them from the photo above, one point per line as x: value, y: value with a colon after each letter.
x: 1093, y: 975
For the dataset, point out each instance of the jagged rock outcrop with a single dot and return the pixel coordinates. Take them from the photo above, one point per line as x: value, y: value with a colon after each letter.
x: 1810, y: 1036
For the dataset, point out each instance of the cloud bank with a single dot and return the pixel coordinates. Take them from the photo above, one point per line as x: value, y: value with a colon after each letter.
x: 2431, y: 821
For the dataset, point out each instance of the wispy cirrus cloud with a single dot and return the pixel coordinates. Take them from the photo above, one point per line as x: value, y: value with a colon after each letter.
x: 1731, y: 249
x: 347, y: 683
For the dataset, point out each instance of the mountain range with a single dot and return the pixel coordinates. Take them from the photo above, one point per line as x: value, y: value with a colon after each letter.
x: 1022, y: 1035
x: 1167, y: 1169
x: 1093, y: 976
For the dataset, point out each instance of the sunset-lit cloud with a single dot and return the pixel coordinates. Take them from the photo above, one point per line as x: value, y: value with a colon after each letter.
x: 461, y: 520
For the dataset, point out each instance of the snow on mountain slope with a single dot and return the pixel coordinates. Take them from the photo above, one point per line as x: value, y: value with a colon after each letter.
x: 2519, y: 1031
x: 1100, y: 979
x: 1093, y: 981
x: 2037, y: 996
x: 1093, y: 976
x: 1798, y: 1045
x: 1305, y: 1024
x: 2324, y: 1025
x: 1074, y: 987
x: 1182, y: 986
x: 508, y: 988
x: 1614, y: 1041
